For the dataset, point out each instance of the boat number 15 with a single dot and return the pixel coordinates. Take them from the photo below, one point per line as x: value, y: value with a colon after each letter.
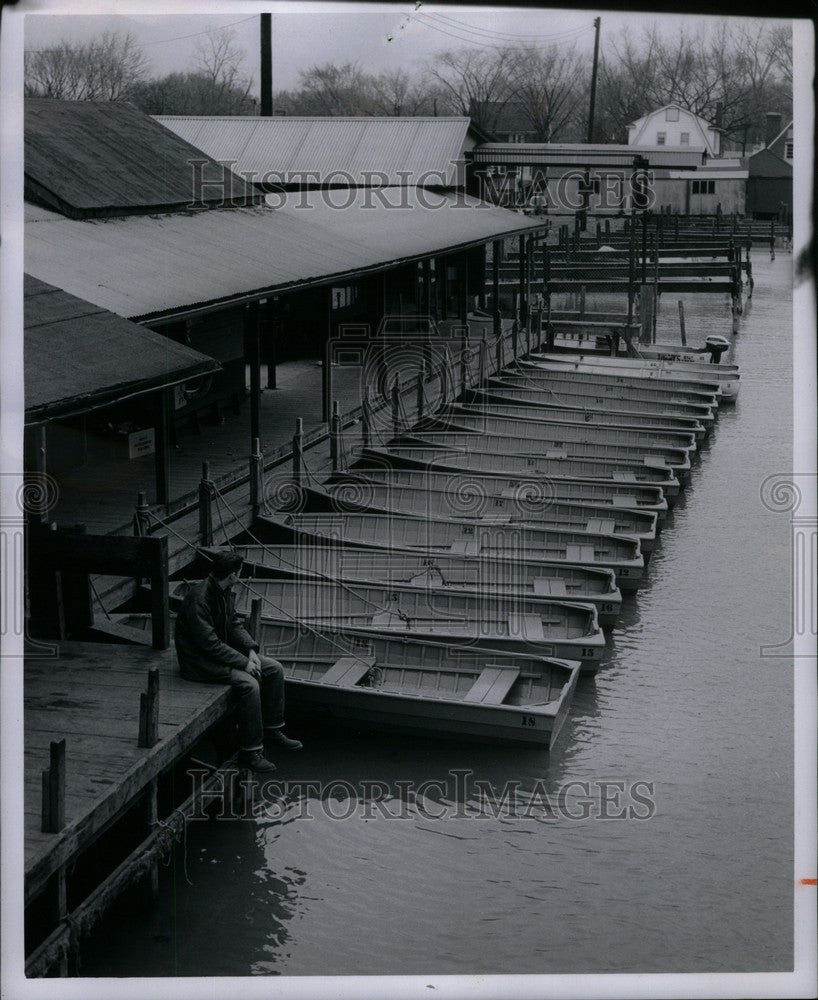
x: 529, y: 720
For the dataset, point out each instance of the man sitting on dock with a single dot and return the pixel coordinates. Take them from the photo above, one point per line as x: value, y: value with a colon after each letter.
x: 212, y: 646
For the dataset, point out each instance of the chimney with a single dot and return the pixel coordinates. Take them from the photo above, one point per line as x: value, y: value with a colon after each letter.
x: 773, y: 126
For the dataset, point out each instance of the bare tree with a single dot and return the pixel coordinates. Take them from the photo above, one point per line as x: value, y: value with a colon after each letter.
x: 474, y: 82
x: 335, y: 90
x: 219, y: 60
x: 550, y: 86
x: 396, y: 93
x: 103, y: 69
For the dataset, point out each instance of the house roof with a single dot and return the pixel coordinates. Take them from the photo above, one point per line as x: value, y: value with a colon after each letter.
x: 79, y: 357
x: 673, y: 104
x: 338, y: 151
x: 586, y: 154
x: 89, y: 158
x: 151, y: 267
x: 782, y: 133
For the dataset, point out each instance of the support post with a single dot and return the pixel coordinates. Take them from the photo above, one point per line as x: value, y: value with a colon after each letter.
x: 141, y: 517
x: 366, y: 420
x: 326, y: 379
x: 162, y: 456
x: 206, y: 506
x: 419, y: 397
x: 521, y: 268
x: 272, y: 333
x: 484, y: 347
x: 549, y: 327
x: 682, y: 331
x: 496, y: 317
x: 53, y: 790
x: 335, y: 436
x: 464, y: 356
x: 149, y: 711
x: 254, y: 349
x: 298, y: 451
x: 256, y: 477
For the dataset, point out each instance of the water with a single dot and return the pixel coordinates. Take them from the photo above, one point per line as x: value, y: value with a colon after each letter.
x: 684, y: 701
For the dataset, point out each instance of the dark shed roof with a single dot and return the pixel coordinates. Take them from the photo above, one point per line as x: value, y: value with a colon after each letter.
x: 765, y: 163
x: 89, y: 158
x: 79, y: 356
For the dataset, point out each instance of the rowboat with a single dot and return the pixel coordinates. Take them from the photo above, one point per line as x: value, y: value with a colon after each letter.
x: 503, y: 416
x: 725, y: 376
x: 621, y: 386
x: 705, y: 392
x: 568, y: 397
x: 529, y: 493
x: 555, y: 445
x: 434, y: 535
x: 390, y: 683
x: 521, y: 580
x: 469, y: 501
x: 550, y: 628
x: 501, y: 464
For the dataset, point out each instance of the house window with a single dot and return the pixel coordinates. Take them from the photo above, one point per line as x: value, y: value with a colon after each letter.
x: 660, y: 138
x: 704, y: 187
x: 344, y: 296
x: 671, y: 114
x: 788, y: 150
x: 684, y: 139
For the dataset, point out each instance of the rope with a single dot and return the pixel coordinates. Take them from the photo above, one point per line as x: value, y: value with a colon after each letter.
x: 219, y: 501
x: 99, y: 599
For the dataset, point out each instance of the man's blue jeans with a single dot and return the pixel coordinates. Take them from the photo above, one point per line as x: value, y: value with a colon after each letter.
x: 260, y: 702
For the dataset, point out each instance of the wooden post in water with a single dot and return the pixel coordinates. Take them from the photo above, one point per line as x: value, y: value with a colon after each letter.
x: 772, y: 240
x: 655, y: 287
x: 682, y: 330
x: 206, y: 506
x: 335, y: 436
x: 256, y: 477
x: 496, y: 317
x: 298, y: 451
x: 631, y: 273
x: 149, y: 711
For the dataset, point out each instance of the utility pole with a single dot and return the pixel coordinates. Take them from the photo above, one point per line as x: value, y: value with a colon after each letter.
x: 266, y: 74
x: 597, y: 23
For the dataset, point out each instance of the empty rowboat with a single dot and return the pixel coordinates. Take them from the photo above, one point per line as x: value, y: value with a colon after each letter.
x: 552, y: 466
x: 390, y: 683
x: 548, y: 628
x: 468, y: 500
x: 521, y: 580
x: 725, y: 376
x: 487, y: 541
x: 703, y: 392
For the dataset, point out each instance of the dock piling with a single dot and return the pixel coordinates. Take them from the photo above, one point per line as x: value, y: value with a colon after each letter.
x: 682, y: 331
x: 141, y: 518
x: 366, y: 421
x: 149, y: 711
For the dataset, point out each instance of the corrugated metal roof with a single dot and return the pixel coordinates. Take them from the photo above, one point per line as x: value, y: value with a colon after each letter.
x: 582, y: 154
x: 144, y: 266
x: 288, y: 146
x: 89, y: 158
x: 78, y: 356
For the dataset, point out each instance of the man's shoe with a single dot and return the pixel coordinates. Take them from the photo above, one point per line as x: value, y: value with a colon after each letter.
x: 277, y: 738
x: 256, y: 761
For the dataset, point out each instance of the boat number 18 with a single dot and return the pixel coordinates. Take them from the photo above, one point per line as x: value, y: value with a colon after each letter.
x: 529, y: 720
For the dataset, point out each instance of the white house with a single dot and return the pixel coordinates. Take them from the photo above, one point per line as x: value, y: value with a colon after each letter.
x: 673, y: 126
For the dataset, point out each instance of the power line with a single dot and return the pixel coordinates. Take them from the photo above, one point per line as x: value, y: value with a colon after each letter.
x: 481, y: 41
x: 454, y: 23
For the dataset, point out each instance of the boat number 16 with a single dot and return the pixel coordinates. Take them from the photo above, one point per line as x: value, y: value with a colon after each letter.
x: 529, y: 720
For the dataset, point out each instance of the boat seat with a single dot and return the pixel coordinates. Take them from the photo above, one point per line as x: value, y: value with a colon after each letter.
x: 526, y: 626
x: 655, y: 462
x: 556, y: 453
x: 601, y: 526
x: 465, y: 547
x: 579, y: 553
x: 349, y: 670
x: 492, y: 685
x: 546, y: 587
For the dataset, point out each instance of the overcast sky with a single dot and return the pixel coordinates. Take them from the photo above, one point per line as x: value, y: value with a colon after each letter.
x: 305, y: 34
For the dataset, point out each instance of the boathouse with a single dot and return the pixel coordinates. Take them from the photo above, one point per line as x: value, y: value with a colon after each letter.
x: 156, y: 231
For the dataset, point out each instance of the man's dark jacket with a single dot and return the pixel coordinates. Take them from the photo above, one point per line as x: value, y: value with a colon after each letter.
x: 209, y: 636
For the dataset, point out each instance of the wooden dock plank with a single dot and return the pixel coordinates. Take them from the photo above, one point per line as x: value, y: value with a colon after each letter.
x: 105, y: 769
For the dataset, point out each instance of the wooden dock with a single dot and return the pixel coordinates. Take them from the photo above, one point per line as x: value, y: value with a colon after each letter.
x: 89, y: 696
